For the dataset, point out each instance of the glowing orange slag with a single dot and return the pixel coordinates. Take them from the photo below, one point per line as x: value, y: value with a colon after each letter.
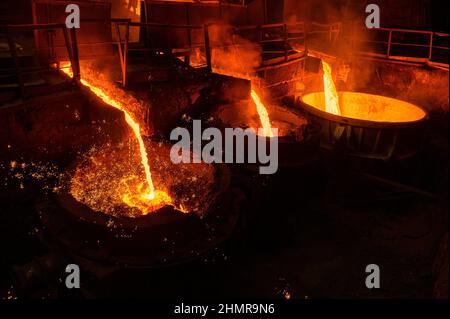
x: 331, y: 95
x: 138, y: 196
x: 263, y: 114
x: 369, y: 107
x: 145, y: 197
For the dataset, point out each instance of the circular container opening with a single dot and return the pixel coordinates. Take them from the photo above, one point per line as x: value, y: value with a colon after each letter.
x: 369, y: 107
x: 110, y: 180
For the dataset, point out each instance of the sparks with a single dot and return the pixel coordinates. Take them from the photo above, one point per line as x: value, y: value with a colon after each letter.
x: 150, y: 195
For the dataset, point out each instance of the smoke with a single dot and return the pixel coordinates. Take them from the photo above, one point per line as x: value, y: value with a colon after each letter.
x: 338, y: 47
x: 352, y: 71
x: 232, y: 54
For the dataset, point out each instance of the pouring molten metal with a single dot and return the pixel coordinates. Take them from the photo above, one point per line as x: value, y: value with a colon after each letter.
x: 109, y: 179
x: 261, y: 109
x: 137, y: 192
x: 331, y: 95
x: 361, y: 106
x: 263, y: 114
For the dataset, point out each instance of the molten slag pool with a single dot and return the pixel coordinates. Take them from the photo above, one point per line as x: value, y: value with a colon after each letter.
x: 110, y: 180
x: 368, y: 107
x: 367, y: 125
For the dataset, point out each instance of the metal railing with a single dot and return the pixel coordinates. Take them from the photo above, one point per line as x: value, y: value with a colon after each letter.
x: 284, y: 39
x: 281, y: 34
x: 19, y: 71
x: 168, y: 49
x: 417, y: 46
x: 332, y: 31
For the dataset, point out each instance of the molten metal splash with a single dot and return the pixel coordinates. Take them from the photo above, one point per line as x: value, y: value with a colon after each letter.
x: 140, y: 198
x: 263, y: 114
x: 143, y: 198
x: 108, y: 178
x: 331, y: 95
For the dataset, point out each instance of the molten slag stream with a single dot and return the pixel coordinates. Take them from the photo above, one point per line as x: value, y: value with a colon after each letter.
x: 263, y: 114
x: 331, y: 95
x: 130, y: 121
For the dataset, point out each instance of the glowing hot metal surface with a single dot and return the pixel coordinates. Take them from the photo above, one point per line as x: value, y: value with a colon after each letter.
x: 369, y: 107
x: 331, y: 95
x: 141, y: 197
x: 263, y: 114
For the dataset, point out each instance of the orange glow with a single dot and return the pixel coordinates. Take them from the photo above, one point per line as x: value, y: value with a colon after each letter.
x: 136, y: 195
x: 109, y: 179
x: 240, y: 61
x: 331, y: 95
x: 145, y: 198
x: 369, y: 107
x: 263, y: 114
